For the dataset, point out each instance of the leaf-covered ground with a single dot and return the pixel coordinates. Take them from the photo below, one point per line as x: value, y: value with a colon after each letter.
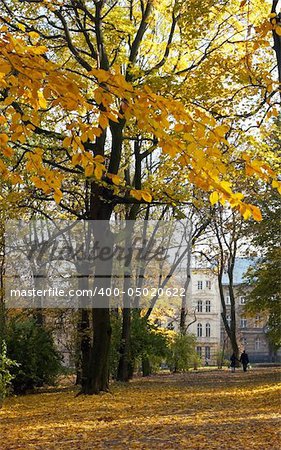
x: 207, y: 410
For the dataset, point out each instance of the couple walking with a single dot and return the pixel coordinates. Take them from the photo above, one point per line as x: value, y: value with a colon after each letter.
x: 243, y: 359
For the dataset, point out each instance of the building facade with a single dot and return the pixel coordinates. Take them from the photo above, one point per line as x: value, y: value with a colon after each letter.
x: 204, y: 316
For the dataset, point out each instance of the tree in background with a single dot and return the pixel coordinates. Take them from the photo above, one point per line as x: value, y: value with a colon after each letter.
x: 182, y: 354
x: 264, y: 278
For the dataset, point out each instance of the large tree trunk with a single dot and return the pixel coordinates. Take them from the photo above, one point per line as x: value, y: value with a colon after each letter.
x: 95, y: 354
x: 98, y: 379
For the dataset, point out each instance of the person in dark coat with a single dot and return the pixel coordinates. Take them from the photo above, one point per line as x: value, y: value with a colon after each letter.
x: 233, y: 360
x: 244, y: 360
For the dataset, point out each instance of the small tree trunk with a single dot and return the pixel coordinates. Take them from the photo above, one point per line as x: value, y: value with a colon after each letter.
x: 2, y: 299
x: 235, y: 347
x: 125, y: 344
x: 84, y: 337
x: 123, y: 372
x: 146, y: 367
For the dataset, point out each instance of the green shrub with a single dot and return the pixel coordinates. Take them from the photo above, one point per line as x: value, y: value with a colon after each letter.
x: 5, y: 372
x: 149, y: 344
x: 32, y: 347
x: 181, y: 352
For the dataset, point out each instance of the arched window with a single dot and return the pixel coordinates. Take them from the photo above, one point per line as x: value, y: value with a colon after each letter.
x: 208, y: 306
x: 199, y: 306
x: 208, y: 330
x: 199, y: 330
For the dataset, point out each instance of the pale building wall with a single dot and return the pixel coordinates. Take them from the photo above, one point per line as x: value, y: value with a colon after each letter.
x: 204, y: 305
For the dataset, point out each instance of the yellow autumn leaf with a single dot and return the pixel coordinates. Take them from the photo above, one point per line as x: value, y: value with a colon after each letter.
x: 8, y: 151
x: 98, y: 171
x: 15, y: 178
x: 40, y: 184
x: 221, y: 130
x: 5, y: 67
x: 58, y: 196
x: 103, y: 121
x: 116, y: 180
x: 76, y: 159
x: 214, y: 197
x: 146, y: 196
x: 33, y: 35
x: 84, y: 137
x: 178, y: 127
x: 66, y: 142
x: 89, y: 170
x: 3, y: 139
x: 39, y: 50
x: 247, y: 213
x: 256, y: 213
x: 278, y: 30
x: 136, y: 194
x: 41, y: 100
x: 226, y: 186
x: 102, y: 75
x: 21, y: 26
x: 99, y: 158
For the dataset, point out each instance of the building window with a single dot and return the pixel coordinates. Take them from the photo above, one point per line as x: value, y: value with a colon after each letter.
x: 208, y: 306
x: 208, y: 330
x: 199, y: 330
x: 200, y: 285
x: 242, y: 300
x: 243, y: 322
x: 257, y: 323
x: 228, y: 318
x: 207, y: 352
x: 244, y: 342
x: 199, y: 306
x: 199, y: 351
x: 257, y: 343
x: 157, y: 323
x: 208, y: 284
x: 170, y: 326
x: 227, y: 300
